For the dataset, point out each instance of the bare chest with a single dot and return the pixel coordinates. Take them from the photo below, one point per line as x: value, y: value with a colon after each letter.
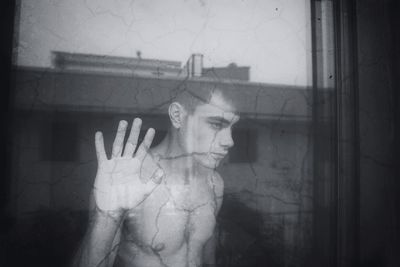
x: 172, y: 215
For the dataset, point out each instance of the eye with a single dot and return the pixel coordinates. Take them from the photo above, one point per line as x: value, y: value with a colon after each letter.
x: 216, y: 125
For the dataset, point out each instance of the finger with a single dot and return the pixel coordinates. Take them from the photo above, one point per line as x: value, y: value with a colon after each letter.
x: 119, y: 139
x: 145, y: 145
x: 99, y: 144
x: 133, y: 138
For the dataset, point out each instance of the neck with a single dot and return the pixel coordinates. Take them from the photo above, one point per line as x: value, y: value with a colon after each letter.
x: 170, y: 146
x: 171, y: 151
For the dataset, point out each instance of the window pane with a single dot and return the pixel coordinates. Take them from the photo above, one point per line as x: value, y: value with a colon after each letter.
x: 83, y: 66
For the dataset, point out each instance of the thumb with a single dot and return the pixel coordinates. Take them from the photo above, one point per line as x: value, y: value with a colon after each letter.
x: 157, y: 176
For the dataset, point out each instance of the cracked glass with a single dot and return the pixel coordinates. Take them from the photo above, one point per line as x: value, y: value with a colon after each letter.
x: 230, y: 159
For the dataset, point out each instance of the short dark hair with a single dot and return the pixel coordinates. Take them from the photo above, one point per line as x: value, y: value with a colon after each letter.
x: 197, y: 93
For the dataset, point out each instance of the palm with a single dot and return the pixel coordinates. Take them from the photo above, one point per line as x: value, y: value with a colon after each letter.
x: 123, y: 181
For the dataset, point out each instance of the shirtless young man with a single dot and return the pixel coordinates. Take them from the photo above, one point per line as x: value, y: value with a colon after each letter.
x: 158, y: 207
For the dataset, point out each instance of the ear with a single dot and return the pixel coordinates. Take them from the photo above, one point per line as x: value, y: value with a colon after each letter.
x: 177, y: 114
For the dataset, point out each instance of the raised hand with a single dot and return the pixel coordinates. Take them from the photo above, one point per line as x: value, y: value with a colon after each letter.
x: 126, y: 179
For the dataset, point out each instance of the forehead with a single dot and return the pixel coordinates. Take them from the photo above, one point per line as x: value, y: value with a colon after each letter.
x: 218, y: 106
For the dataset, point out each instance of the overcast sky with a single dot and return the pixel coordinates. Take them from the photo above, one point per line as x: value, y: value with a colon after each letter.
x: 270, y: 36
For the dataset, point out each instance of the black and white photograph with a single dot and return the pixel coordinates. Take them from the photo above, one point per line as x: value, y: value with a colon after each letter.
x: 199, y: 133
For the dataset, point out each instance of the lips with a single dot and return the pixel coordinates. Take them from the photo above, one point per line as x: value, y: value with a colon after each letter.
x: 218, y: 155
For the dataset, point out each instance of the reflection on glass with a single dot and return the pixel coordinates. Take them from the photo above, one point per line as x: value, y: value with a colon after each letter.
x: 210, y: 81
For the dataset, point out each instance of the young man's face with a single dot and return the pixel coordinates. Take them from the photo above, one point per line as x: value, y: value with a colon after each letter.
x: 207, y: 133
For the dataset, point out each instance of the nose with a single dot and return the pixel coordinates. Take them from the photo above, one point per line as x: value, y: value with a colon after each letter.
x: 226, y: 140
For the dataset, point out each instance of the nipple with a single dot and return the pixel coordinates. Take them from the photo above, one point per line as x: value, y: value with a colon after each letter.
x: 158, y: 247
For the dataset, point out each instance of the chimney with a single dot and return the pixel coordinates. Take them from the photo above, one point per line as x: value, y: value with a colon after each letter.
x: 194, y: 65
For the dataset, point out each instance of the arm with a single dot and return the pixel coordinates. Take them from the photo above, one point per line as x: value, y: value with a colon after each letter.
x: 100, y: 243
x: 202, y: 252
x: 209, y: 250
x: 119, y: 186
x: 100, y: 252
x: 209, y: 257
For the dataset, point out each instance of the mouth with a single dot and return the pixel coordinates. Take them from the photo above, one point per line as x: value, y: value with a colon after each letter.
x: 218, y: 156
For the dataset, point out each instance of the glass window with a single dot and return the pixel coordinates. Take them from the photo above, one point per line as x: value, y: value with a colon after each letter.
x: 82, y: 66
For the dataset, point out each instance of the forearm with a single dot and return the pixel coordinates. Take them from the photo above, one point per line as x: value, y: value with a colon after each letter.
x: 97, y: 245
